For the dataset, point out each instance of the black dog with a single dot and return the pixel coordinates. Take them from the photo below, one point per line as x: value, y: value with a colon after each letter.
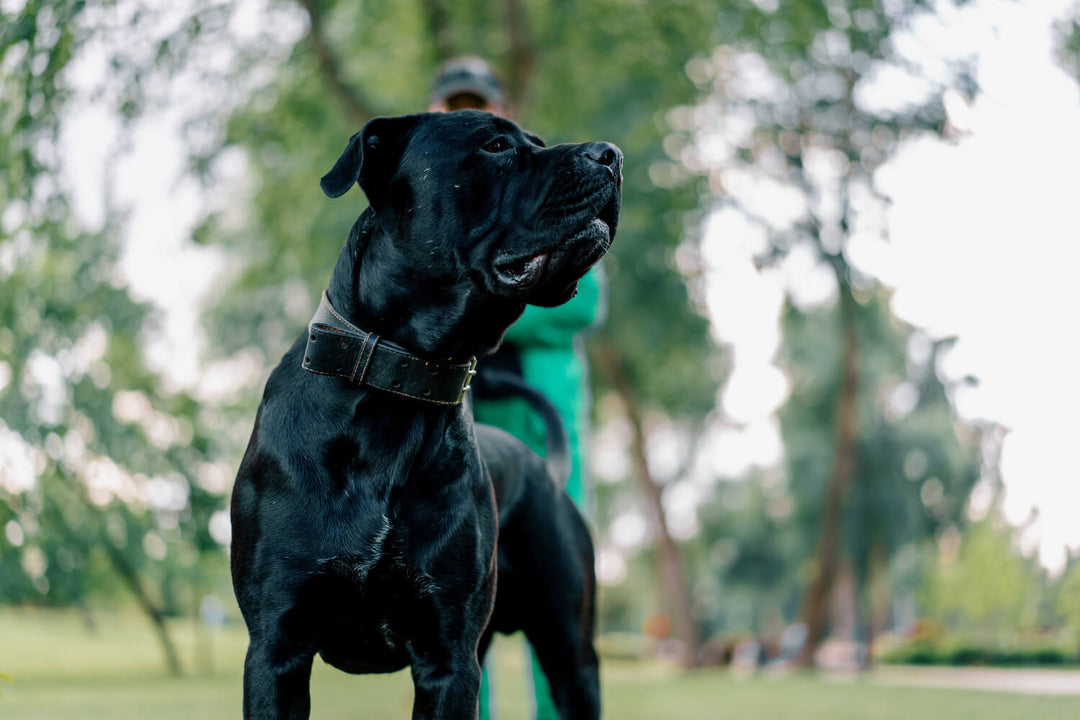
x: 364, y: 512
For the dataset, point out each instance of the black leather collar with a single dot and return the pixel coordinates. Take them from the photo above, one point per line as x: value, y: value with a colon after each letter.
x: 338, y: 348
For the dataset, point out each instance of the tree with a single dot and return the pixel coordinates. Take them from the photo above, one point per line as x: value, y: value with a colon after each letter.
x: 982, y: 585
x: 748, y: 551
x: 1068, y: 599
x: 1067, y: 32
x: 916, y: 462
x: 791, y: 86
x: 104, y: 463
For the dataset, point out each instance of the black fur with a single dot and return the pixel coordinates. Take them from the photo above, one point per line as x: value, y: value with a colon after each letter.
x: 498, y: 383
x: 365, y: 524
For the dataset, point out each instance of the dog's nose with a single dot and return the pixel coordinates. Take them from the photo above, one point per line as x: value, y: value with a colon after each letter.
x: 605, y: 154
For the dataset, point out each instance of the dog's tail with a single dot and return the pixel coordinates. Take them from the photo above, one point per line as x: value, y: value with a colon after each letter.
x: 499, y: 383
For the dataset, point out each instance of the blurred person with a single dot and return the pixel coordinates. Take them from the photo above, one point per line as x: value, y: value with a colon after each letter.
x: 468, y: 82
x: 544, y: 347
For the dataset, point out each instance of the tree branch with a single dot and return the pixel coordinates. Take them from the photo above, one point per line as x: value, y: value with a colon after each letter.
x: 674, y: 583
x: 841, y: 477
x: 124, y: 568
x: 353, y: 101
x: 127, y: 572
x: 439, y: 29
x: 522, y: 56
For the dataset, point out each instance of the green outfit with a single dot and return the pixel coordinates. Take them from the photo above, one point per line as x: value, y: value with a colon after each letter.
x: 549, y: 343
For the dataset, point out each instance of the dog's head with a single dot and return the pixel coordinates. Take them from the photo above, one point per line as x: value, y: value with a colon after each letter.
x: 470, y: 199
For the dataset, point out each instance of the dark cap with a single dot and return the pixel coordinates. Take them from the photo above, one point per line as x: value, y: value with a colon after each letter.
x: 467, y: 75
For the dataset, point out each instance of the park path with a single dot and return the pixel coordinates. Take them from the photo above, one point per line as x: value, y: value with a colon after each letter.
x: 1013, y: 680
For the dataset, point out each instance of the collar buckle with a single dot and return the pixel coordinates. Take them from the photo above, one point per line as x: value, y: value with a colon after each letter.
x: 469, y: 375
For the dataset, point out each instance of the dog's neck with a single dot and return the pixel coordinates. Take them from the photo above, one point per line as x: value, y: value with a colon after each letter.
x: 376, y: 290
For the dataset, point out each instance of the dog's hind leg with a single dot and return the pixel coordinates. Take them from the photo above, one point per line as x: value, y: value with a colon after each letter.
x: 558, y: 614
x: 572, y: 671
x: 569, y: 661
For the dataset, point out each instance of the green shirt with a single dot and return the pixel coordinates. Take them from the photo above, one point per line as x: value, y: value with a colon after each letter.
x: 549, y: 341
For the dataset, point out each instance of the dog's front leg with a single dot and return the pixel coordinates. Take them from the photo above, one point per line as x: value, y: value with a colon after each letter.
x: 277, y: 672
x: 445, y: 667
x: 278, y: 666
x: 446, y: 689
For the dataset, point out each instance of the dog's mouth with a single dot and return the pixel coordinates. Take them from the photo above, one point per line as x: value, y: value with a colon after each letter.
x: 525, y: 273
x: 563, y: 264
x: 522, y: 273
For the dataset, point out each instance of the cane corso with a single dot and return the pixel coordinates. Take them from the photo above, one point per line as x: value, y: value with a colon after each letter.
x: 368, y: 505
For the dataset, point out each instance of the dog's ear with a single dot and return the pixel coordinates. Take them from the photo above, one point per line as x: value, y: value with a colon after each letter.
x: 346, y: 170
x: 371, y: 155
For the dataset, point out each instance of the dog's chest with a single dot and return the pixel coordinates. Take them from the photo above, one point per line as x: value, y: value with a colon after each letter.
x: 360, y: 551
x: 373, y: 601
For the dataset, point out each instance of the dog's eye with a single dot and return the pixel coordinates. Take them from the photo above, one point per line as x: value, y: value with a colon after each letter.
x: 497, y: 145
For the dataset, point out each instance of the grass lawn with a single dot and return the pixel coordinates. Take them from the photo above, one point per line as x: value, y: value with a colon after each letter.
x: 62, y: 671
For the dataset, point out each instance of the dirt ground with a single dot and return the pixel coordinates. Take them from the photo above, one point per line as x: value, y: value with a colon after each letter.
x: 1013, y: 680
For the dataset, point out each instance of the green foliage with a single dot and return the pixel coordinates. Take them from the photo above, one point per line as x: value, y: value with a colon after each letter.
x: 916, y: 464
x: 985, y: 603
x: 959, y: 653
x: 1067, y: 31
x: 984, y: 587
x: 109, y: 460
x: 916, y: 467
x: 788, y: 83
x: 1067, y: 602
x: 747, y: 553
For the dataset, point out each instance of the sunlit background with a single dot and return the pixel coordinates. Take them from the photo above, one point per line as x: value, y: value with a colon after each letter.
x: 796, y: 170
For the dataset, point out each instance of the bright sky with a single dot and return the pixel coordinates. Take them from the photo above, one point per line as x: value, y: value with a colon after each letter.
x: 984, y: 244
x: 998, y: 214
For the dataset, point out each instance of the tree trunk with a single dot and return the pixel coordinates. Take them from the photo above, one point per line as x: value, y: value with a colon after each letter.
x: 125, y: 570
x: 815, y: 602
x: 877, y: 598
x: 157, y: 618
x: 355, y: 104
x: 86, y: 616
x: 439, y: 30
x: 522, y: 56
x: 671, y: 570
